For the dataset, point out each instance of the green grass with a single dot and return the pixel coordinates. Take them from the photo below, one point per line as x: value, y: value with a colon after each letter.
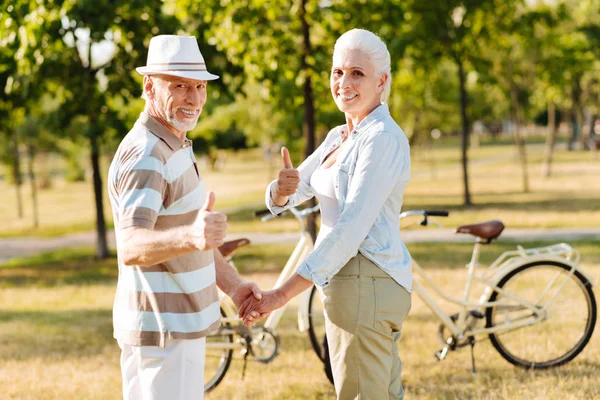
x: 56, y: 336
x: 76, y: 266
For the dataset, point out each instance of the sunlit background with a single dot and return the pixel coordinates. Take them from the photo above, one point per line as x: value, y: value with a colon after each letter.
x: 500, y: 100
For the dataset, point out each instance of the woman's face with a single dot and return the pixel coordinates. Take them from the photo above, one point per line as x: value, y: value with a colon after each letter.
x: 354, y: 86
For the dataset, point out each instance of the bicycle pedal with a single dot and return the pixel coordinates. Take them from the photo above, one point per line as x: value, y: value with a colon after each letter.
x: 476, y: 314
x: 441, y: 354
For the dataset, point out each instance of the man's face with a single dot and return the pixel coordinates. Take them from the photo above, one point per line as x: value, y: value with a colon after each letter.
x: 178, y: 101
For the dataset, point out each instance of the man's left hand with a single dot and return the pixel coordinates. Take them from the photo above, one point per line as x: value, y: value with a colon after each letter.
x: 244, y: 290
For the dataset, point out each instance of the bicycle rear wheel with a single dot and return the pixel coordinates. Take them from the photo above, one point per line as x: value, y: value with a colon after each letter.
x: 566, y: 325
x: 218, y: 355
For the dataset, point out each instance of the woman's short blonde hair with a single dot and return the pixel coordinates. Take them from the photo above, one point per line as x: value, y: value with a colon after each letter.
x: 372, y: 45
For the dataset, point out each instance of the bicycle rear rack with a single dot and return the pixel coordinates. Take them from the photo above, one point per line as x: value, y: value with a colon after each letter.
x: 560, y: 249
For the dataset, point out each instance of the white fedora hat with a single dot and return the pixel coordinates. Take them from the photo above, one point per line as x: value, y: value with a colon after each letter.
x: 177, y: 56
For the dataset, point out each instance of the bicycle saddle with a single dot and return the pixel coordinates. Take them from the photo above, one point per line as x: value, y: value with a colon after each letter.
x: 229, y: 247
x: 488, y: 230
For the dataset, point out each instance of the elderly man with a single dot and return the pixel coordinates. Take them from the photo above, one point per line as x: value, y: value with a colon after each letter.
x: 167, y: 234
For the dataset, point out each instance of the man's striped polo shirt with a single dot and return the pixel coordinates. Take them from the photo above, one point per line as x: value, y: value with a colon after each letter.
x: 154, y: 183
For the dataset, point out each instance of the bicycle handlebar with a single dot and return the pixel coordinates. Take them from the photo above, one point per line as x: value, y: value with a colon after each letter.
x: 260, y: 213
x: 425, y: 214
x: 299, y: 214
x: 437, y: 213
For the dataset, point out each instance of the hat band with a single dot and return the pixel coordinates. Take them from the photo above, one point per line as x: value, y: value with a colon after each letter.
x: 177, y: 66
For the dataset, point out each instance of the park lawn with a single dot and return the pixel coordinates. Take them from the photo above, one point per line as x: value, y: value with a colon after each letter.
x: 568, y: 199
x: 56, y: 336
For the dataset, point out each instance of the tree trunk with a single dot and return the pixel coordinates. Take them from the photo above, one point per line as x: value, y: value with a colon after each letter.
x: 465, y: 131
x: 550, y: 140
x: 31, y: 151
x: 101, y: 242
x: 580, y: 123
x: 308, y: 126
x: 518, y: 138
x: 413, y: 141
x: 88, y: 82
x: 577, y: 134
x: 592, y: 137
x: 16, y: 170
x: 474, y: 140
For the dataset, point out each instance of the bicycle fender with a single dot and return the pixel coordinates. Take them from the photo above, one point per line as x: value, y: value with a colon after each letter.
x: 520, y: 261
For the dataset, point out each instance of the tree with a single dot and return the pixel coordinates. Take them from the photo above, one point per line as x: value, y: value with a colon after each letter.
x: 91, y: 48
x: 30, y: 132
x: 511, y: 52
x: 19, y: 73
x: 449, y: 29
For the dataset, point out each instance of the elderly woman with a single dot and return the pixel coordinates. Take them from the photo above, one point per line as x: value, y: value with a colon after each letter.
x: 361, y: 265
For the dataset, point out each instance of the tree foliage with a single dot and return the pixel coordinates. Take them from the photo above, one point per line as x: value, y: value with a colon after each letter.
x: 70, y: 66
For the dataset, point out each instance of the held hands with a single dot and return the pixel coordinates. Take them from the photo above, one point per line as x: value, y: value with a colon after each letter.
x: 210, y: 227
x: 252, y: 309
x: 287, y: 181
x: 245, y: 291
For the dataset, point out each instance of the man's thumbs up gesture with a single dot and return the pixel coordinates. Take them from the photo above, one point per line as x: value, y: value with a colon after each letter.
x: 288, y: 180
x: 210, y: 227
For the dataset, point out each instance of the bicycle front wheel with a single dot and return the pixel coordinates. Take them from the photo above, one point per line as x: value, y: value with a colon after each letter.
x: 316, y: 330
x: 316, y: 323
x: 218, y: 355
x: 559, y: 327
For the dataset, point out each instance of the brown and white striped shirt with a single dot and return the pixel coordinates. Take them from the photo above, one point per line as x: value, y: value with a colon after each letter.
x: 153, y: 182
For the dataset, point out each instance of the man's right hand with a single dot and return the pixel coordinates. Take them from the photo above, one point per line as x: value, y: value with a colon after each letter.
x: 288, y: 180
x: 210, y: 227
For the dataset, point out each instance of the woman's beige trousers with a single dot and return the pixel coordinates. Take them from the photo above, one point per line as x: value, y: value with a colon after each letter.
x: 364, y: 310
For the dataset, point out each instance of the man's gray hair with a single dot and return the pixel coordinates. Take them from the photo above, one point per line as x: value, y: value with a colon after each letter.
x: 372, y: 45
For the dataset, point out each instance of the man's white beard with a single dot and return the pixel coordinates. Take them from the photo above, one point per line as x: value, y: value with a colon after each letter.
x: 184, y: 126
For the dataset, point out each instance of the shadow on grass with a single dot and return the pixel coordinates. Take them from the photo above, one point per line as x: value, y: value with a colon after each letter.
x: 34, y: 334
x: 491, y: 382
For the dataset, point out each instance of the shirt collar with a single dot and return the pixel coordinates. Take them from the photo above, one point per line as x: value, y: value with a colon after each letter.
x: 377, y: 114
x: 161, y: 131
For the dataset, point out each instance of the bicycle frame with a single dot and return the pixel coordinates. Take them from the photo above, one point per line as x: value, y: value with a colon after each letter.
x: 303, y: 248
x: 504, y: 264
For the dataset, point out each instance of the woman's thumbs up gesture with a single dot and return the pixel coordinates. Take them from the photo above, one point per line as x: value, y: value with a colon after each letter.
x: 288, y: 180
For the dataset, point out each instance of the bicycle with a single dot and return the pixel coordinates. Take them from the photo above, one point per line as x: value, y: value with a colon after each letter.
x: 262, y: 342
x: 520, y: 308
x: 519, y: 294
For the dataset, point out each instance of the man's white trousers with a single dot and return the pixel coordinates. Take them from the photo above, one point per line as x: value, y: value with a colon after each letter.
x: 175, y: 372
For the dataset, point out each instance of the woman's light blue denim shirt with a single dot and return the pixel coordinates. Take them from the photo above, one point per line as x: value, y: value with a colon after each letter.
x: 374, y: 169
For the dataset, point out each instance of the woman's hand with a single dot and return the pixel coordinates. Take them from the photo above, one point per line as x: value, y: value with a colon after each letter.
x: 287, y: 181
x: 252, y: 309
